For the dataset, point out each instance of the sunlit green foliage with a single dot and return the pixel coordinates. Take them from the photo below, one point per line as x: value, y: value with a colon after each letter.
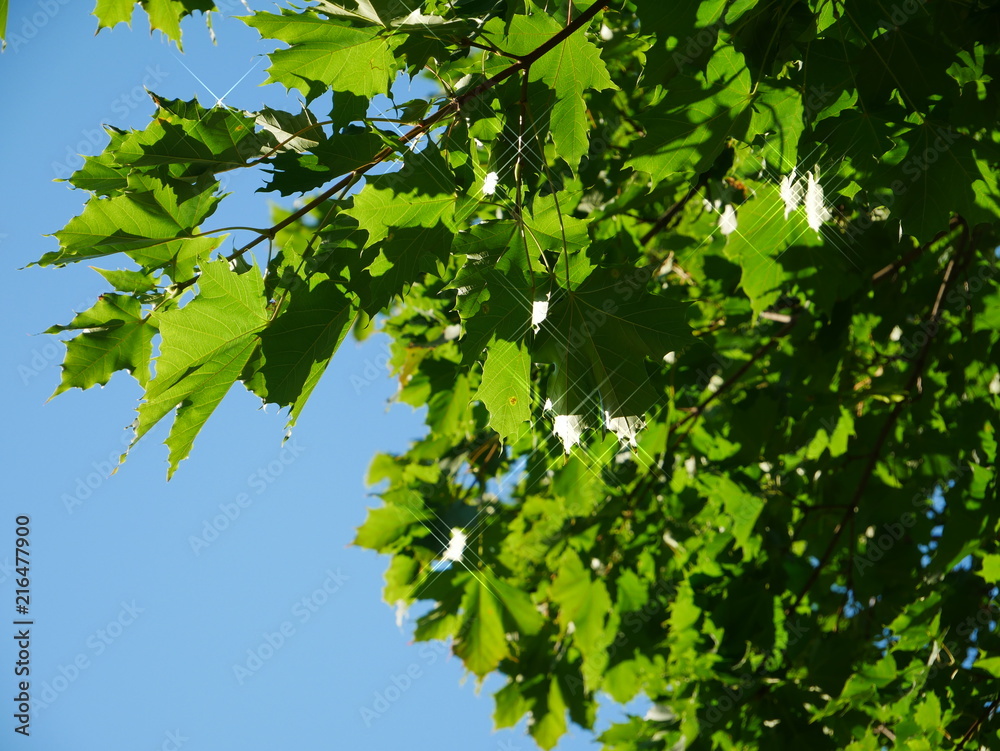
x: 700, y: 299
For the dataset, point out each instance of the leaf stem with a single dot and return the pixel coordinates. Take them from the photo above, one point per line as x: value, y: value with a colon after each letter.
x: 490, y: 47
x: 258, y: 230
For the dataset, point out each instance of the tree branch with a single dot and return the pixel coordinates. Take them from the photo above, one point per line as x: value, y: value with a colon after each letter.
x: 425, y: 125
x: 674, y: 210
x: 697, y: 411
x: 889, y: 272
x: 987, y: 711
x: 914, y: 382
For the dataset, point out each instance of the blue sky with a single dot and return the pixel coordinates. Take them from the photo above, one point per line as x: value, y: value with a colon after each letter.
x: 136, y: 634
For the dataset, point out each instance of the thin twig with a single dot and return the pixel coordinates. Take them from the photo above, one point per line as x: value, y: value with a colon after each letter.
x: 989, y: 709
x: 425, y: 125
x: 490, y: 47
x: 725, y: 386
x: 674, y: 210
x: 914, y: 382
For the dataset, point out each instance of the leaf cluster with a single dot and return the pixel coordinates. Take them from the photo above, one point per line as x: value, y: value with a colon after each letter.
x: 701, y: 299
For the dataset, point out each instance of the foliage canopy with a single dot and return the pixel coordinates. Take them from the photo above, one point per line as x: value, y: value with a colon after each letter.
x: 701, y: 300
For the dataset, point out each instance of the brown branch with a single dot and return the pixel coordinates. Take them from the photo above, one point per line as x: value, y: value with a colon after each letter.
x: 914, y: 382
x: 697, y: 411
x: 425, y: 125
x: 674, y: 210
x: 884, y: 273
x: 987, y: 711
x: 956, y: 227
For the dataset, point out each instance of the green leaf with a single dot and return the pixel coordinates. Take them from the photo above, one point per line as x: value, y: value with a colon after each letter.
x: 323, y: 162
x: 496, y: 293
x: 126, y: 280
x: 778, y: 122
x: 549, y: 718
x: 400, y: 578
x: 598, y: 335
x: 403, y: 257
x: 116, y: 336
x: 861, y: 137
x: 165, y: 15
x: 383, y: 13
x: 287, y: 132
x: 327, y: 54
x: 348, y: 108
x: 928, y: 714
x: 389, y: 524
x: 155, y: 224
x: 835, y: 440
x: 102, y: 174
x: 193, y: 139
x: 585, y: 608
x: 206, y: 345
x: 297, y: 345
x: 505, y: 389
x: 421, y: 195
x: 689, y: 128
x: 519, y: 611
x: 551, y: 226
x: 764, y: 235
x: 481, y: 641
x: 991, y: 569
x: 742, y: 508
x: 510, y: 706
x: 110, y: 13
x: 936, y: 172
x: 686, y: 27
x: 570, y: 69
x: 990, y: 664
